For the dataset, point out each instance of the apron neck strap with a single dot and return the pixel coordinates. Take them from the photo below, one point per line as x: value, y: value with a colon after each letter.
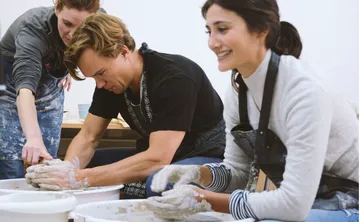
x: 269, y: 86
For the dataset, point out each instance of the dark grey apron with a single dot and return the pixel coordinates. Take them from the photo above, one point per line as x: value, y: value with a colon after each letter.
x: 268, y: 153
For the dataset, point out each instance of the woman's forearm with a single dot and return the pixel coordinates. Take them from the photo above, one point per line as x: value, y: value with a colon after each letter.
x: 205, y: 176
x: 28, y: 115
x: 219, y: 201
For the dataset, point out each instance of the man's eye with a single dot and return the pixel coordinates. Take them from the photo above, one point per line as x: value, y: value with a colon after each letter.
x: 101, y: 73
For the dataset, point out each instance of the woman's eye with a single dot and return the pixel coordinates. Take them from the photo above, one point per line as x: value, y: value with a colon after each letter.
x: 68, y: 24
x: 221, y: 29
x: 207, y: 32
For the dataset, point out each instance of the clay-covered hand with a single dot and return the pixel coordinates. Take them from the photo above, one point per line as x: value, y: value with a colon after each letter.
x: 178, y: 203
x: 56, y: 175
x: 178, y: 174
x: 30, y: 170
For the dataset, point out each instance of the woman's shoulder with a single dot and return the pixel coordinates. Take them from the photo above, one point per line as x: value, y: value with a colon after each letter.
x: 297, y: 73
x: 36, y: 17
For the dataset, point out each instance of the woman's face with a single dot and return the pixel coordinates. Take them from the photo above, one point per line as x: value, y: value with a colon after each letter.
x: 112, y: 74
x: 230, y: 39
x: 69, y: 19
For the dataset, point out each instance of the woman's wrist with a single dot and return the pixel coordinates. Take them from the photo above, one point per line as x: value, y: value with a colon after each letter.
x: 201, y: 194
x: 205, y: 176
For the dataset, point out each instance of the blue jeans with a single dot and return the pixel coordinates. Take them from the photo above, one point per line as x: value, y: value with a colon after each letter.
x: 11, y: 169
x: 348, y: 215
x: 189, y: 161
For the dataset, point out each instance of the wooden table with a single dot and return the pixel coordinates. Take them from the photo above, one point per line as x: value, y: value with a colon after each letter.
x: 116, y: 135
x: 78, y: 124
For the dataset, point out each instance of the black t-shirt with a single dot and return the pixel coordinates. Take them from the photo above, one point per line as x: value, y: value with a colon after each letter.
x: 180, y: 94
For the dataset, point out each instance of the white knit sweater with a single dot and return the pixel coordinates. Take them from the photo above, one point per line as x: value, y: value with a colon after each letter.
x: 318, y: 128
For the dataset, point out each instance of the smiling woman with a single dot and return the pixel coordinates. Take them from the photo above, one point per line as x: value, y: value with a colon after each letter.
x: 32, y: 107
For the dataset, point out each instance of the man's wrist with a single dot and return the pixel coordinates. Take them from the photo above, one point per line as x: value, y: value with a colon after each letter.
x: 82, y: 175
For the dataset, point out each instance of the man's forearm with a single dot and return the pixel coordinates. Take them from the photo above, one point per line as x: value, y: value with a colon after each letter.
x: 28, y: 115
x: 132, y: 169
x: 82, y: 148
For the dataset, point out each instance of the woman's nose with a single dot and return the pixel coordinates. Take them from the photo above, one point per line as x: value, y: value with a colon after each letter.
x: 213, y: 43
x: 71, y: 32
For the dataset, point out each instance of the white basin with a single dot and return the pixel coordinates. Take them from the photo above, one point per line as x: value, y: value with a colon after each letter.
x: 91, y: 194
x: 124, y: 211
x: 36, y: 207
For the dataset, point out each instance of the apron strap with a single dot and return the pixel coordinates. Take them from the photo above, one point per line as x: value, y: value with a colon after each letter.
x: 270, y: 80
x: 243, y: 111
x: 266, y: 101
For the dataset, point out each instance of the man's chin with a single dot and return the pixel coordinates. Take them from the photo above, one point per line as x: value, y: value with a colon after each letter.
x: 115, y: 91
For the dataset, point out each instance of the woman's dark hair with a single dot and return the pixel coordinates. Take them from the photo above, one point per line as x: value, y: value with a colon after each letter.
x: 261, y: 16
x: 82, y: 5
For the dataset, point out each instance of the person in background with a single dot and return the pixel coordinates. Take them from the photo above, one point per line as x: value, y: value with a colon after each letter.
x: 166, y: 98
x: 280, y: 118
x: 31, y: 109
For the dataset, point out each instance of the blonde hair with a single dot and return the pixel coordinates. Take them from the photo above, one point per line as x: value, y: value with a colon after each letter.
x: 105, y: 34
x: 82, y: 5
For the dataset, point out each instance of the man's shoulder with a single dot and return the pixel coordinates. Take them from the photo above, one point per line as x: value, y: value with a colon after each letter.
x: 168, y: 67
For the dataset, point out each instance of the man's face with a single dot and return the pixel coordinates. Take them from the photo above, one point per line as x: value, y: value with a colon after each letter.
x: 112, y: 74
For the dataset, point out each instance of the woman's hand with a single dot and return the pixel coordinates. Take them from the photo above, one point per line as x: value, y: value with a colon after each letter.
x: 178, y: 174
x: 34, y: 151
x: 178, y: 203
x: 65, y: 82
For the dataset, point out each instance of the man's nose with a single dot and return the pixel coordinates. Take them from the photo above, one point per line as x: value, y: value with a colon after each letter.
x: 100, y: 83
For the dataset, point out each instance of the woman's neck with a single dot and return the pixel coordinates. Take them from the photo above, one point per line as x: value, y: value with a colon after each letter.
x: 246, y: 70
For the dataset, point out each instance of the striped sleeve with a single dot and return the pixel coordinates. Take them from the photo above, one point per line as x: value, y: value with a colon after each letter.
x: 239, y: 207
x: 221, y: 177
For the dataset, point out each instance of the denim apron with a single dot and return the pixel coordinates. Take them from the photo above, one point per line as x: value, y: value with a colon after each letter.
x: 49, y: 100
x: 206, y: 143
x: 268, y: 153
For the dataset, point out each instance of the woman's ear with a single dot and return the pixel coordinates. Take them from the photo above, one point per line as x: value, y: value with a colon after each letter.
x: 263, y: 34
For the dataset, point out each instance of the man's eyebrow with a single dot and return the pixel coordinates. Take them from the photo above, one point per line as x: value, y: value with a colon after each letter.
x: 98, y: 72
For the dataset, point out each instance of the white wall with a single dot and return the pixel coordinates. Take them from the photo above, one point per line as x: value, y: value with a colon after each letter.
x: 329, y: 31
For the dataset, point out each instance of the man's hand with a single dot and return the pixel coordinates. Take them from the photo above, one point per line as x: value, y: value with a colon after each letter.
x: 178, y: 203
x: 34, y: 150
x: 178, y: 174
x: 56, y: 175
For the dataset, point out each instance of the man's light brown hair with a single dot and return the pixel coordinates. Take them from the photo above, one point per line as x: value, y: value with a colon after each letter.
x: 105, y: 34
